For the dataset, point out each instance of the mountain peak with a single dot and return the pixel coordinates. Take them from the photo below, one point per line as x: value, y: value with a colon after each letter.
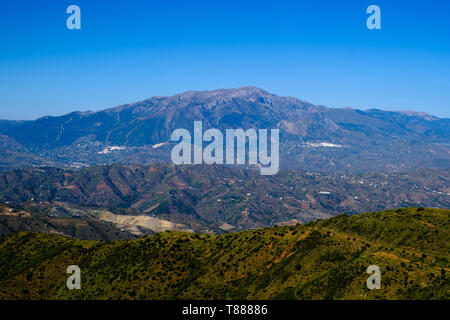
x: 241, y: 92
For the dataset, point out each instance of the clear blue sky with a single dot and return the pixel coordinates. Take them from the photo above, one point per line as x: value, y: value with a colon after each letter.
x: 319, y: 51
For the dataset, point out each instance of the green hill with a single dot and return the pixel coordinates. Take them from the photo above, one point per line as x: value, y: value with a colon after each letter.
x: 326, y: 259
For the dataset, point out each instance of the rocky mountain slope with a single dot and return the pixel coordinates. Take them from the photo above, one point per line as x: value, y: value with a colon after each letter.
x: 313, y: 138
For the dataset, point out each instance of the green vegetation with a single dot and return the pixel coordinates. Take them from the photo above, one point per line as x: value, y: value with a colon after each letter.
x: 326, y: 259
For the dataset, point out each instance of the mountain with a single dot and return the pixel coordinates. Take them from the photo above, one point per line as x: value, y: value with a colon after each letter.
x: 326, y: 259
x: 313, y: 138
x: 212, y: 198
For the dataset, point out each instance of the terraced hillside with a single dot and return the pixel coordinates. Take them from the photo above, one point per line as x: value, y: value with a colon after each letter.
x: 13, y: 219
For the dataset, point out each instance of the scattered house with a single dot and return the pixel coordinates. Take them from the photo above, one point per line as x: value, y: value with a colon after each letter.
x: 110, y: 149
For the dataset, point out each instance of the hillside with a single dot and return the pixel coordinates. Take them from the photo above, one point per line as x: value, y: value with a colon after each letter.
x: 312, y: 137
x: 14, y: 219
x: 326, y: 259
x: 208, y: 198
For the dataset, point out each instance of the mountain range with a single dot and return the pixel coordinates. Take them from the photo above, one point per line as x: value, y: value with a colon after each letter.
x: 205, y: 198
x: 312, y: 137
x: 98, y: 190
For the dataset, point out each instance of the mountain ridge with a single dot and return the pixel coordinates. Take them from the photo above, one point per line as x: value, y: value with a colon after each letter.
x: 326, y: 259
x: 229, y: 92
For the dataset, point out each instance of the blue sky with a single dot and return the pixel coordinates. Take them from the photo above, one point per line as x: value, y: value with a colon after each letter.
x: 319, y: 51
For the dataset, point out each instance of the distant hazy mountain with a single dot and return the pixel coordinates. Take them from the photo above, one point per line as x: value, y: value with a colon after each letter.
x: 314, y: 138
